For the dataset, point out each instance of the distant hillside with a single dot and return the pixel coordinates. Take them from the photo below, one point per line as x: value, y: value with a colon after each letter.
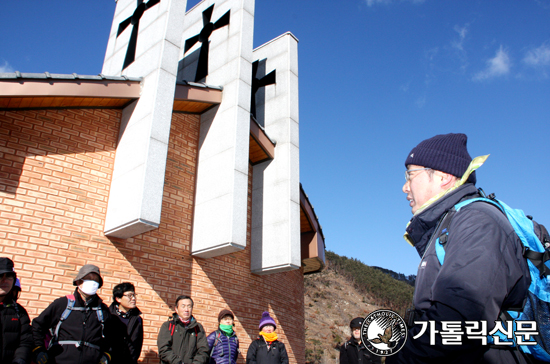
x: 410, y: 279
x: 346, y: 289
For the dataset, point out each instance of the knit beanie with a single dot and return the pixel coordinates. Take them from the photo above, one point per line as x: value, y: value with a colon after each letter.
x: 85, y: 270
x: 446, y: 153
x: 266, y: 320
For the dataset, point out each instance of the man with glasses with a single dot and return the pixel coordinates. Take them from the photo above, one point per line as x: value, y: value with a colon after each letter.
x: 15, y: 329
x: 128, y: 322
x: 484, y: 271
x: 354, y: 351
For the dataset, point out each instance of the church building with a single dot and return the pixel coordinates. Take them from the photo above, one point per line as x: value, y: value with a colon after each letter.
x: 176, y: 169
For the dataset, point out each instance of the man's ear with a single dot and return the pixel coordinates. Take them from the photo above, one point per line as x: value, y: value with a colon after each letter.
x: 118, y: 300
x: 447, y: 180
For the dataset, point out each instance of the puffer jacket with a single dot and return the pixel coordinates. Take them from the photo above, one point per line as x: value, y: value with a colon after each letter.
x: 82, y: 326
x: 484, y: 272
x: 226, y: 350
x: 15, y: 334
x: 130, y: 332
x: 260, y: 353
x: 185, y: 344
x: 353, y: 353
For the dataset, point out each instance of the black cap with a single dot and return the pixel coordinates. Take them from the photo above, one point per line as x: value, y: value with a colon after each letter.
x: 356, y: 322
x: 6, y: 265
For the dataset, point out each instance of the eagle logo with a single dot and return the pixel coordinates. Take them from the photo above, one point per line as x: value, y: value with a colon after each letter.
x: 384, y: 332
x: 385, y: 338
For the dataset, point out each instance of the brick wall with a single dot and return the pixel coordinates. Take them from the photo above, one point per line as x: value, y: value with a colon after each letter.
x: 55, y: 173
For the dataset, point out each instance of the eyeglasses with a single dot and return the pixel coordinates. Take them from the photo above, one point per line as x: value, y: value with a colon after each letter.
x: 408, y: 172
x: 130, y: 295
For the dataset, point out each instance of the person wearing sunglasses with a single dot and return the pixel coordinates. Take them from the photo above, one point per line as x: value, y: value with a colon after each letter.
x: 129, y: 323
x: 15, y: 329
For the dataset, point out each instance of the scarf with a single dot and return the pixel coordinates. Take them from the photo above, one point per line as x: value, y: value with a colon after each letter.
x: 226, y: 329
x: 122, y: 314
x: 269, y: 337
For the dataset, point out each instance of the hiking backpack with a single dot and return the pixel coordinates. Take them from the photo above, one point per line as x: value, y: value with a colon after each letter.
x: 70, y: 308
x: 536, y: 249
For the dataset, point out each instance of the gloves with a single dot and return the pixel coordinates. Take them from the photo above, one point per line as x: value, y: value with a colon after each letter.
x: 42, y: 358
x: 105, y: 359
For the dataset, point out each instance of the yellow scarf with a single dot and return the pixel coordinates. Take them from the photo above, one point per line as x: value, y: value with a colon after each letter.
x: 474, y: 164
x: 269, y: 337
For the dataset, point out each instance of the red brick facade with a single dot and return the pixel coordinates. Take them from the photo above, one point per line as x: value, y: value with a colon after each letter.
x: 55, y: 174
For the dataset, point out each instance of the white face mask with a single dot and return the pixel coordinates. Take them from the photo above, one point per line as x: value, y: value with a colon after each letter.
x: 89, y: 287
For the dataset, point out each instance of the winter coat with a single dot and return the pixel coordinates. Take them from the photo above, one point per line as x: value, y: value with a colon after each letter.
x: 82, y: 326
x: 226, y: 349
x: 187, y: 344
x: 260, y: 353
x: 129, y: 331
x: 353, y: 353
x: 484, y: 272
x: 15, y: 334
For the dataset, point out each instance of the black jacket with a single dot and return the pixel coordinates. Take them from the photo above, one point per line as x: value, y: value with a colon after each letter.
x: 185, y: 344
x: 260, y: 353
x: 79, y: 326
x: 484, y: 272
x: 352, y: 353
x: 15, y: 334
x: 131, y: 335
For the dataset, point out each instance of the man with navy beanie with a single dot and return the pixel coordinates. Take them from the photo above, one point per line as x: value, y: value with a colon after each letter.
x: 484, y: 271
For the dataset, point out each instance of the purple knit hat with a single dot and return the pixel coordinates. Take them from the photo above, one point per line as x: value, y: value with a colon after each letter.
x: 446, y: 153
x: 266, y: 320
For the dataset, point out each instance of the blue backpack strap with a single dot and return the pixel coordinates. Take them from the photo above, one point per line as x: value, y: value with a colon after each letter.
x: 64, y: 316
x: 216, y: 341
x: 441, y: 241
x: 99, y: 313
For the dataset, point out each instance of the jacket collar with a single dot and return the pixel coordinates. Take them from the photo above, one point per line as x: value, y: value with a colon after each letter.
x: 422, y: 225
x: 133, y: 312
x: 177, y: 320
x: 93, y: 301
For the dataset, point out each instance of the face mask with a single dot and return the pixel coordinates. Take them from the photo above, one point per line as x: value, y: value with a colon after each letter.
x: 89, y: 287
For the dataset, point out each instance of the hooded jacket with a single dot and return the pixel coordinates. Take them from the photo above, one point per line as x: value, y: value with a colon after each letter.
x: 129, y: 331
x: 260, y: 353
x: 484, y: 272
x: 15, y: 334
x: 81, y: 326
x: 187, y: 344
x: 353, y: 353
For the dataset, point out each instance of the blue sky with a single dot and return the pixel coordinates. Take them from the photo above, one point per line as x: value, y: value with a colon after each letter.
x: 376, y: 78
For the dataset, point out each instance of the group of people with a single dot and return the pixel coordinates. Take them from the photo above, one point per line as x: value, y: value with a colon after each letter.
x: 485, y: 274
x: 80, y: 328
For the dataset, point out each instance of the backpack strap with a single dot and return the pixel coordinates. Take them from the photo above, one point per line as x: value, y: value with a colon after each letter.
x: 70, y: 307
x: 216, y: 341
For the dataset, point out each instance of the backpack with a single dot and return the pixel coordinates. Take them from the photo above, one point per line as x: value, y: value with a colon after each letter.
x: 536, y: 249
x: 70, y: 308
